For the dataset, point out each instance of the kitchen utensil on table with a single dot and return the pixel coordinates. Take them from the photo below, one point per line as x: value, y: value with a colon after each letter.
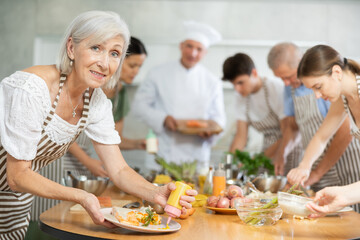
x: 94, y: 185
x: 132, y: 205
x: 236, y: 182
x: 228, y: 166
x: 251, y: 186
x: 304, y: 190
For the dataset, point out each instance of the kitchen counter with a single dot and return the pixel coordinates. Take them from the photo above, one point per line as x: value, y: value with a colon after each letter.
x: 203, y: 224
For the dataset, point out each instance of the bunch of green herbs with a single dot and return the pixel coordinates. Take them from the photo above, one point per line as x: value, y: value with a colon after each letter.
x: 180, y: 172
x: 251, y: 165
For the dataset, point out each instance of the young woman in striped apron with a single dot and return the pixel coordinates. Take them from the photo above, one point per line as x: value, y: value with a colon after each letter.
x: 259, y: 104
x: 333, y: 78
x: 44, y: 108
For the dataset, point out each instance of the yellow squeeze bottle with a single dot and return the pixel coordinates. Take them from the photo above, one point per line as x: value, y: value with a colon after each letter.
x: 173, y: 207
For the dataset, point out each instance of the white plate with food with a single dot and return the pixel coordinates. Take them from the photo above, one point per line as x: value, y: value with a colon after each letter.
x: 137, y: 225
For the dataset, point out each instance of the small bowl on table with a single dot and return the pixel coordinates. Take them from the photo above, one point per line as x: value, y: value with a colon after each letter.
x: 252, y: 212
x: 294, y: 205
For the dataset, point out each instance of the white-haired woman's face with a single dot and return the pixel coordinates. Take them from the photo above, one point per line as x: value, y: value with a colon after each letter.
x: 96, y: 63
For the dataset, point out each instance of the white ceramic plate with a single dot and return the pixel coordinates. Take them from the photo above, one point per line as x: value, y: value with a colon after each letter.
x: 345, y: 209
x: 173, y: 226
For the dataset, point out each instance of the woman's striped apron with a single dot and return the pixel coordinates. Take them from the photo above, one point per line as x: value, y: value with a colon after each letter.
x: 270, y: 127
x: 71, y: 163
x: 309, y: 119
x: 350, y: 170
x: 15, y: 206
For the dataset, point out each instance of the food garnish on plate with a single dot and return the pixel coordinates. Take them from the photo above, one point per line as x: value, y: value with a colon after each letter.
x: 142, y: 217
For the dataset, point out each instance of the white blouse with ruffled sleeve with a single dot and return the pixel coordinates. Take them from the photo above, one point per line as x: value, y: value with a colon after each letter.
x: 24, y: 105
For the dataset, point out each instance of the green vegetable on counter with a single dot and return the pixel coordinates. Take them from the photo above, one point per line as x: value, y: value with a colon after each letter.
x: 250, y: 164
x: 180, y: 172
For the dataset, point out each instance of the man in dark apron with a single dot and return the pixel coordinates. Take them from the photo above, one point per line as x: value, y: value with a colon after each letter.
x: 305, y: 114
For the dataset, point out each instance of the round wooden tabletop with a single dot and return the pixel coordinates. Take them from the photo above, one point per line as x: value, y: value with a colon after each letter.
x: 62, y: 223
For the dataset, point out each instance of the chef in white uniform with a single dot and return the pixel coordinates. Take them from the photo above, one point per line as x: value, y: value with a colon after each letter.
x: 183, y: 89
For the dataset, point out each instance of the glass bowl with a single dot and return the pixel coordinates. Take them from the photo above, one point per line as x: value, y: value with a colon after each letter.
x: 293, y: 204
x: 251, y: 212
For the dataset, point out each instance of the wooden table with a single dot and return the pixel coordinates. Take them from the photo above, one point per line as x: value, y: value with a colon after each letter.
x: 204, y: 224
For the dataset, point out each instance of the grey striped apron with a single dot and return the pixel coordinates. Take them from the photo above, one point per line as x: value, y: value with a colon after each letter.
x: 71, y: 163
x: 15, y: 206
x: 270, y: 127
x: 309, y: 118
x: 350, y: 167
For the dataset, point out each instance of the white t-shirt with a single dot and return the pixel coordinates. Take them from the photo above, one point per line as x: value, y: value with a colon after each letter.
x: 24, y: 104
x: 258, y: 108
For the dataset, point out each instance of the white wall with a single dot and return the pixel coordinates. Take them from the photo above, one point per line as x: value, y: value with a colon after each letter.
x: 31, y: 29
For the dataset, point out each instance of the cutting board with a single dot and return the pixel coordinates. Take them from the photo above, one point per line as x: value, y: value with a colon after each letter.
x: 116, y: 202
x: 212, y: 127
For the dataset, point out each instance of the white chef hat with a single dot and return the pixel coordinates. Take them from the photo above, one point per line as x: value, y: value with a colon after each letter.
x: 201, y: 32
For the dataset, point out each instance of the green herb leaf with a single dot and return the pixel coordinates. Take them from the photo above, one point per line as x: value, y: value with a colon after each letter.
x: 149, y: 217
x: 251, y: 165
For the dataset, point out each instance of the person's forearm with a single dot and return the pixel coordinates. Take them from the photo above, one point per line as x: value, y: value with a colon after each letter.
x: 240, y: 139
x: 289, y: 132
x: 79, y: 153
x: 140, y: 187
x: 337, y: 147
x: 272, y: 150
x: 352, y: 193
x: 121, y: 174
x: 313, y: 151
x: 128, y: 144
x: 25, y: 180
x: 238, y: 143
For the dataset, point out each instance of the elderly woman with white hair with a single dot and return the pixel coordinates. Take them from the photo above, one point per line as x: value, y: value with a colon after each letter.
x: 44, y: 108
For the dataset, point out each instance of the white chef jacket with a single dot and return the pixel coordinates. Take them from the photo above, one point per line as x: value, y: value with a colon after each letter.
x: 171, y: 89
